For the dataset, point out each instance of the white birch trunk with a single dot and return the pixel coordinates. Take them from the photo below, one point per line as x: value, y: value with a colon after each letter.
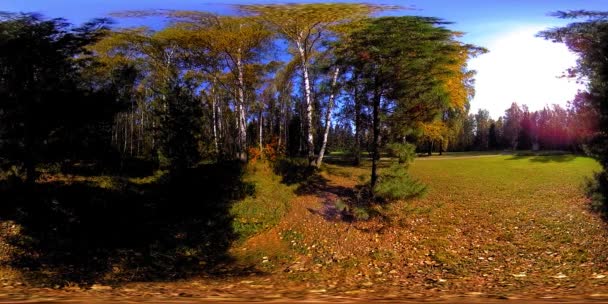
x: 261, y: 130
x: 330, y: 108
x: 242, y: 123
x: 307, y: 92
x: 214, y: 122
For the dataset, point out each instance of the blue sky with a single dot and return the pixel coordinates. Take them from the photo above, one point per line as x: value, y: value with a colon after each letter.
x: 519, y: 68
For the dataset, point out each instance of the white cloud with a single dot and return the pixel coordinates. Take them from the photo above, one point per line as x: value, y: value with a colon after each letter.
x: 524, y: 69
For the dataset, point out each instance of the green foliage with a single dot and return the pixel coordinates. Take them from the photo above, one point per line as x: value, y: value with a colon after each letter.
x: 180, y: 130
x: 295, y: 20
x: 404, y: 152
x: 293, y: 170
x: 361, y: 214
x: 341, y: 206
x: 589, y: 39
x: 396, y: 184
x: 596, y: 189
x: 264, y: 209
x: 48, y: 109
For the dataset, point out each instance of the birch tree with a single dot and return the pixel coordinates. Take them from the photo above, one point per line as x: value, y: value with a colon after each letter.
x: 306, y: 27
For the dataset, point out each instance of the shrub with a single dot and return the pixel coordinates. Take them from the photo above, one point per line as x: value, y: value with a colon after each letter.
x: 272, y: 150
x: 404, y: 152
x: 293, y: 170
x: 597, y: 190
x: 341, y: 206
x: 397, y: 184
x: 254, y: 155
x: 266, y: 208
x: 361, y: 214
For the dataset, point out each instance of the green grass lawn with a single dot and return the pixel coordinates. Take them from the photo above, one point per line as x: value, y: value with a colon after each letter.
x: 265, y: 207
x: 496, y: 217
x: 497, y: 224
x: 504, y: 223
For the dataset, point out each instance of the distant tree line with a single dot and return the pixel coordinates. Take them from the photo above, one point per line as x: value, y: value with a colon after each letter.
x: 552, y: 128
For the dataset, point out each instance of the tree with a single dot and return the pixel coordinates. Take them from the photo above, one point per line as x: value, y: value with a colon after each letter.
x: 583, y: 122
x: 493, y: 136
x: 400, y: 72
x: 526, y: 129
x: 512, y: 125
x: 236, y: 44
x: 433, y: 132
x: 482, y: 129
x: 47, y: 105
x: 589, y: 39
x: 154, y: 58
x: 305, y: 26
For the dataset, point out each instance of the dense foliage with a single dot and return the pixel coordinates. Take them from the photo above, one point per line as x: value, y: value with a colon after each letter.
x: 208, y: 87
x: 589, y: 39
x: 49, y: 109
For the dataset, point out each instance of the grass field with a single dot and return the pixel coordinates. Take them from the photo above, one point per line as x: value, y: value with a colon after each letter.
x: 499, y: 225
x: 529, y: 213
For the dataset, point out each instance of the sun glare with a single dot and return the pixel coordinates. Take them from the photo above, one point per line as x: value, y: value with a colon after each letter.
x: 523, y: 68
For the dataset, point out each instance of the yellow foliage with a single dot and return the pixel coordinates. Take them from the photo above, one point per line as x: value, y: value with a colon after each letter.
x: 435, y: 130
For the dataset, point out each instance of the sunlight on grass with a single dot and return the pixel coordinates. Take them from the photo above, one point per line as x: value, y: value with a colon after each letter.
x: 266, y: 207
x: 502, y: 221
x: 510, y: 214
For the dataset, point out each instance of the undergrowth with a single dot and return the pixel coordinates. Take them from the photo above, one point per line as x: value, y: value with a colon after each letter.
x: 266, y: 207
x: 396, y: 184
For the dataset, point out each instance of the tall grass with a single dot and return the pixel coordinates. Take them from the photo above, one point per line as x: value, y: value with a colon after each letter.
x: 266, y: 207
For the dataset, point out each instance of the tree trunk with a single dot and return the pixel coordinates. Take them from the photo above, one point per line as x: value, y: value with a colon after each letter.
x: 280, y: 139
x: 330, y: 107
x: 307, y: 97
x: 153, y: 134
x: 376, y: 135
x: 430, y: 151
x: 302, y: 132
x: 219, y: 127
x: 441, y: 147
x: 132, y: 128
x: 261, y: 134
x: 141, y: 142
x: 126, y: 126
x: 242, y: 123
x: 358, y: 125
x: 214, y: 122
x: 28, y: 162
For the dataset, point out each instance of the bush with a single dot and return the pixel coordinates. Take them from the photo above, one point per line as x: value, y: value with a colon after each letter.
x: 597, y: 191
x: 397, y: 184
x: 266, y: 207
x: 293, y: 170
x: 361, y: 214
x: 254, y: 155
x: 404, y: 152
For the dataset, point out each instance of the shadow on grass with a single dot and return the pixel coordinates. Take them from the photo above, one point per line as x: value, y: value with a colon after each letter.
x: 309, y: 180
x: 340, y: 203
x: 557, y: 158
x: 172, y: 228
x: 294, y: 170
x: 112, y: 164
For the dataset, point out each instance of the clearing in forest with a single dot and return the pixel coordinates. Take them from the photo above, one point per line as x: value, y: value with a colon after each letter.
x: 502, y: 225
x: 492, y: 226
